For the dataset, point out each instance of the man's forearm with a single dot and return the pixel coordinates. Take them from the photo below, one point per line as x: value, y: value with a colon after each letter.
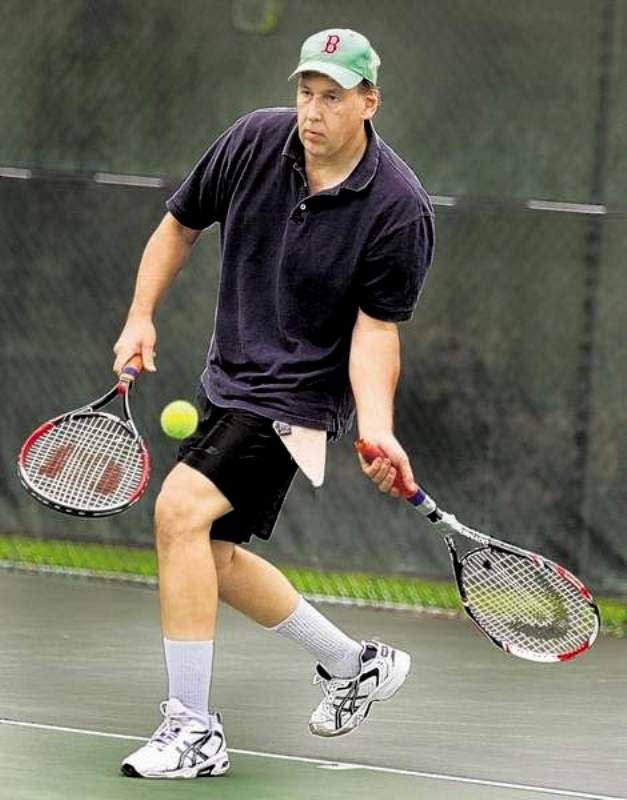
x: 374, y: 369
x: 162, y: 259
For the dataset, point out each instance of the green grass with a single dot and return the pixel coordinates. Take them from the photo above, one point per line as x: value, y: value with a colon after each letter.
x: 133, y: 563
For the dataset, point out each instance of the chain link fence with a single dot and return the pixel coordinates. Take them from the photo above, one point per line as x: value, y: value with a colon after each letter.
x: 512, y: 401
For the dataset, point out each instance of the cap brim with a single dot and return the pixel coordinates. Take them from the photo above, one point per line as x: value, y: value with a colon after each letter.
x: 345, y: 77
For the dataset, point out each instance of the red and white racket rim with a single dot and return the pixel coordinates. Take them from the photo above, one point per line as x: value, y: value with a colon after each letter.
x: 509, y: 620
x: 548, y: 658
x: 105, y: 472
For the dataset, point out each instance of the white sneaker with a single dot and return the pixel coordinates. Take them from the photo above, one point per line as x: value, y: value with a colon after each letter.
x: 347, y: 701
x: 181, y: 747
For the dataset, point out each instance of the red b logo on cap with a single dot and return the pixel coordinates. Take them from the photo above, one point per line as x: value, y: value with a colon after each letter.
x: 332, y: 43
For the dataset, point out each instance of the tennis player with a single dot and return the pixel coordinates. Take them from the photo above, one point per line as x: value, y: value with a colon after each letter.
x: 326, y: 238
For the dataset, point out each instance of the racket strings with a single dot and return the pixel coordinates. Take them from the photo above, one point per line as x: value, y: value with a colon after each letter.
x: 90, y: 462
x: 526, y: 604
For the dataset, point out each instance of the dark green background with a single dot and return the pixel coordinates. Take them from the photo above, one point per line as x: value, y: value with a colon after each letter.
x: 483, y: 98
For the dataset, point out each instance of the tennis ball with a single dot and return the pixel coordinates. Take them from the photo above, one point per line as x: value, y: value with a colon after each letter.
x: 179, y: 419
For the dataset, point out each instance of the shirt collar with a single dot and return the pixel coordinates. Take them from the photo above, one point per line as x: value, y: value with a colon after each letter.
x: 363, y: 173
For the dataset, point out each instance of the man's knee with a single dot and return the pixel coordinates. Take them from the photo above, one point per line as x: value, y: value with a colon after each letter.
x: 187, y: 504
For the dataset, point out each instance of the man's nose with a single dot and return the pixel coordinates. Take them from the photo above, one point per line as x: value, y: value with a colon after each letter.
x: 313, y: 108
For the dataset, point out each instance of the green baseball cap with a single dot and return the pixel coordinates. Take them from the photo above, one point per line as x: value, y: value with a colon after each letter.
x: 342, y: 54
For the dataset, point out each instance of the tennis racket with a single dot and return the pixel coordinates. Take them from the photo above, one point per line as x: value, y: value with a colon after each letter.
x: 524, y: 603
x: 88, y: 462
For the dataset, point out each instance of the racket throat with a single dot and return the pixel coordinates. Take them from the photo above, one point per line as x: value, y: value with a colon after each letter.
x: 427, y: 506
x: 456, y: 565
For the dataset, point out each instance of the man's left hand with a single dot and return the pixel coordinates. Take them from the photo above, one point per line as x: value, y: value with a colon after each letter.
x: 383, y: 471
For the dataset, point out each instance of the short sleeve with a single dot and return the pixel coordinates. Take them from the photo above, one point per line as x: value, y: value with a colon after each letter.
x: 394, y: 270
x: 202, y: 198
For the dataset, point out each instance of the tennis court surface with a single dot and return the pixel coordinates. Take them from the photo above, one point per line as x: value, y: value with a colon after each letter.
x: 82, y: 678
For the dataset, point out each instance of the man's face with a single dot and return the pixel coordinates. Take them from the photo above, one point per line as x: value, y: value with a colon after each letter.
x: 329, y: 117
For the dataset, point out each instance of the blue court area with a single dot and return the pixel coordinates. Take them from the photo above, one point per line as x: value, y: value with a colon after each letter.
x: 82, y: 679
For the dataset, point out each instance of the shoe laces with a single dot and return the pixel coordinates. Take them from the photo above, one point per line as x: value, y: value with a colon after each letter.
x: 169, y: 728
x: 331, y: 688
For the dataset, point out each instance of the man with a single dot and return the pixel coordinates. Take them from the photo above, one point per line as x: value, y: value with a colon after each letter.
x: 326, y: 237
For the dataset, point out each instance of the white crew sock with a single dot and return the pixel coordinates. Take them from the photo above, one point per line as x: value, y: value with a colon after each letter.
x: 189, y: 667
x: 337, y: 653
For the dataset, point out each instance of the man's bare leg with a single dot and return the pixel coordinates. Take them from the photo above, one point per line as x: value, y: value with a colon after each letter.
x: 186, y: 507
x: 259, y: 590
x: 252, y: 585
x: 192, y: 570
x: 367, y: 672
x: 190, y: 742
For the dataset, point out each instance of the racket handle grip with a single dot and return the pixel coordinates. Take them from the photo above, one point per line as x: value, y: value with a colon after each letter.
x: 419, y: 499
x: 130, y: 371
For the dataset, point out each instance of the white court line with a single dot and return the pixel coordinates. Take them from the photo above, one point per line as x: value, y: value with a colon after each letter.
x: 15, y: 172
x: 77, y: 572
x: 339, y: 765
x: 443, y: 200
x: 128, y: 180
x: 115, y: 179
x: 568, y: 208
x: 151, y: 580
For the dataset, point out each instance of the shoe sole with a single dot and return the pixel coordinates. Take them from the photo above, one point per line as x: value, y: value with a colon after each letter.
x: 385, y: 691
x: 211, y: 770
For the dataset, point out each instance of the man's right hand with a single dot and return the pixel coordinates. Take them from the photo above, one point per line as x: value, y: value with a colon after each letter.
x: 138, y: 336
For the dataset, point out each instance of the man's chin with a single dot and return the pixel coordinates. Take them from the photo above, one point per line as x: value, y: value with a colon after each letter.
x: 315, y: 148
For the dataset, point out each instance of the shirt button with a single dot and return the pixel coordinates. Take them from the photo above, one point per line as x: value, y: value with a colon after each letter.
x: 303, y: 207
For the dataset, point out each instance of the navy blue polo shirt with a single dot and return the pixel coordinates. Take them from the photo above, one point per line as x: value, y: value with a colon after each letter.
x: 296, y: 267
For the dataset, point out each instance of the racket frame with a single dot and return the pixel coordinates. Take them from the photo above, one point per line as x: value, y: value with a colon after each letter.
x: 122, y: 388
x: 448, y: 525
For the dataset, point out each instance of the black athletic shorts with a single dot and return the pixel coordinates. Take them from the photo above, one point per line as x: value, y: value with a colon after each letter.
x: 240, y: 452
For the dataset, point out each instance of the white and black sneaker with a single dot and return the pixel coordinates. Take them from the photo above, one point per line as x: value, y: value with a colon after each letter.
x: 181, y: 747
x: 347, y: 701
